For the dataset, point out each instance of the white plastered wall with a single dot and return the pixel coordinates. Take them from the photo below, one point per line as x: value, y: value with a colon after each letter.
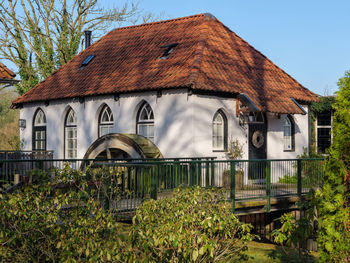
x: 275, y: 143
x: 183, y: 123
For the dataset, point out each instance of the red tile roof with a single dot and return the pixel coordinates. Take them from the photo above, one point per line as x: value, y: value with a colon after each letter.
x: 5, y: 73
x: 208, y: 57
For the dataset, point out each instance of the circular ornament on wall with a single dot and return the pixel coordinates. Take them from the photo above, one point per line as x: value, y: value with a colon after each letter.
x: 258, y: 139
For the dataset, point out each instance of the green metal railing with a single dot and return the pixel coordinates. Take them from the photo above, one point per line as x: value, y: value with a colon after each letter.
x: 152, y: 178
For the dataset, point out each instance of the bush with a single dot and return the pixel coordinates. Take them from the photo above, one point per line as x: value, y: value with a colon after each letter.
x: 191, y: 225
x: 334, y: 236
x: 70, y: 216
x: 61, y: 220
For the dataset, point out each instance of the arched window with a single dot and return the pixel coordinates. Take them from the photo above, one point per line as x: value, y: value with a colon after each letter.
x: 70, y: 133
x: 145, y: 122
x: 39, y: 131
x: 105, y: 122
x: 219, y: 131
x: 288, y: 134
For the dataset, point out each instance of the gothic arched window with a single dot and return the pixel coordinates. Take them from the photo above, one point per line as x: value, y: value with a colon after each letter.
x: 70, y: 134
x: 288, y: 134
x: 105, y: 121
x: 145, y: 121
x: 219, y: 131
x: 39, y: 131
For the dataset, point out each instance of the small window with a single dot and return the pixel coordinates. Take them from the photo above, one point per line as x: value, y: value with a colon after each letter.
x: 219, y: 131
x: 323, y: 139
x: 145, y: 122
x: 70, y: 133
x: 106, y: 122
x: 87, y: 60
x: 168, y: 49
x: 39, y: 131
x: 288, y: 134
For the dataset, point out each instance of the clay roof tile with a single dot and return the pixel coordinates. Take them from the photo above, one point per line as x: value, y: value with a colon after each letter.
x: 208, y: 57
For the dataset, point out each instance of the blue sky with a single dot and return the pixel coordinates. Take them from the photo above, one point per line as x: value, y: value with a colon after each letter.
x: 309, y: 39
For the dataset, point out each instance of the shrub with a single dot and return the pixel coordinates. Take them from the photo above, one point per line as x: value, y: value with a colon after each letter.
x: 296, y: 231
x: 61, y: 220
x: 334, y: 237
x: 191, y: 225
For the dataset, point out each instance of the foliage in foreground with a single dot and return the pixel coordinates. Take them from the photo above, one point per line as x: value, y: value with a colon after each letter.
x: 70, y: 216
x: 331, y: 203
x: 60, y: 220
x: 334, y: 236
x: 296, y: 231
x: 192, y: 225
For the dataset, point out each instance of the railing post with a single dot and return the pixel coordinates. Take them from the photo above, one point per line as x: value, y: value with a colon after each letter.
x: 41, y: 165
x: 199, y: 172
x: 207, y: 174
x: 212, y: 173
x: 153, y: 186
x: 268, y: 185
x: 233, y: 184
x: 192, y: 173
x: 299, y: 171
x: 177, y: 173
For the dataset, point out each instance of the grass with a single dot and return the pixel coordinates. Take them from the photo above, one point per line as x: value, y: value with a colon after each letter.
x: 268, y: 253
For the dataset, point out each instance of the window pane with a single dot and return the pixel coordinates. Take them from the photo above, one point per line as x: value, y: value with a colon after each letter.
x: 106, y: 116
x: 71, y: 142
x: 146, y: 130
x: 323, y: 139
x: 324, y: 118
x: 106, y: 129
x: 287, y: 134
x: 218, y: 135
x: 71, y: 118
x: 40, y: 119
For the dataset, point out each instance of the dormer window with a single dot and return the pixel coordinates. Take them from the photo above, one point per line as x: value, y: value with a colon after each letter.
x: 168, y: 49
x: 87, y: 61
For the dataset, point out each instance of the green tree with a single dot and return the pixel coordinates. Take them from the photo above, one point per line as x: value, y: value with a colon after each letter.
x: 39, y: 36
x: 334, y: 236
x: 9, y: 132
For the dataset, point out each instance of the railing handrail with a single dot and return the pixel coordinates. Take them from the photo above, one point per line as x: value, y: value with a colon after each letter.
x: 163, y: 160
x: 112, y: 159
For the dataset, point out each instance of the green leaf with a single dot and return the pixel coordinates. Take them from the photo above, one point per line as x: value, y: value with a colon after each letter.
x: 195, y: 255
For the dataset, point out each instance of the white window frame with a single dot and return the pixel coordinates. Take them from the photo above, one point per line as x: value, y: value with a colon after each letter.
x: 219, y: 125
x: 105, y: 125
x: 288, y: 134
x: 70, y: 135
x: 145, y: 123
x: 39, y: 131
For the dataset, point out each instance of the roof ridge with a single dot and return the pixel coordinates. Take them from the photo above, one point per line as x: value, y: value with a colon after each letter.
x: 159, y: 22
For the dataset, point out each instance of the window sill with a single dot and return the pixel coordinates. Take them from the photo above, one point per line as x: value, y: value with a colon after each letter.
x: 219, y: 151
x: 292, y: 150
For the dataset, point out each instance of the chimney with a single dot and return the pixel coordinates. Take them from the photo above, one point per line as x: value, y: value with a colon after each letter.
x: 87, y: 38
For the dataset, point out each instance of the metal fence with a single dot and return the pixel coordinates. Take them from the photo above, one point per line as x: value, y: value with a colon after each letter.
x: 140, y: 179
x: 28, y: 155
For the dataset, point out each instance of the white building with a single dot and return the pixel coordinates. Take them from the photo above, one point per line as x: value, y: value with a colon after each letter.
x: 188, y: 85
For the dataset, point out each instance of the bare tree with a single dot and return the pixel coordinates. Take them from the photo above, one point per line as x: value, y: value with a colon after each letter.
x: 39, y: 36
